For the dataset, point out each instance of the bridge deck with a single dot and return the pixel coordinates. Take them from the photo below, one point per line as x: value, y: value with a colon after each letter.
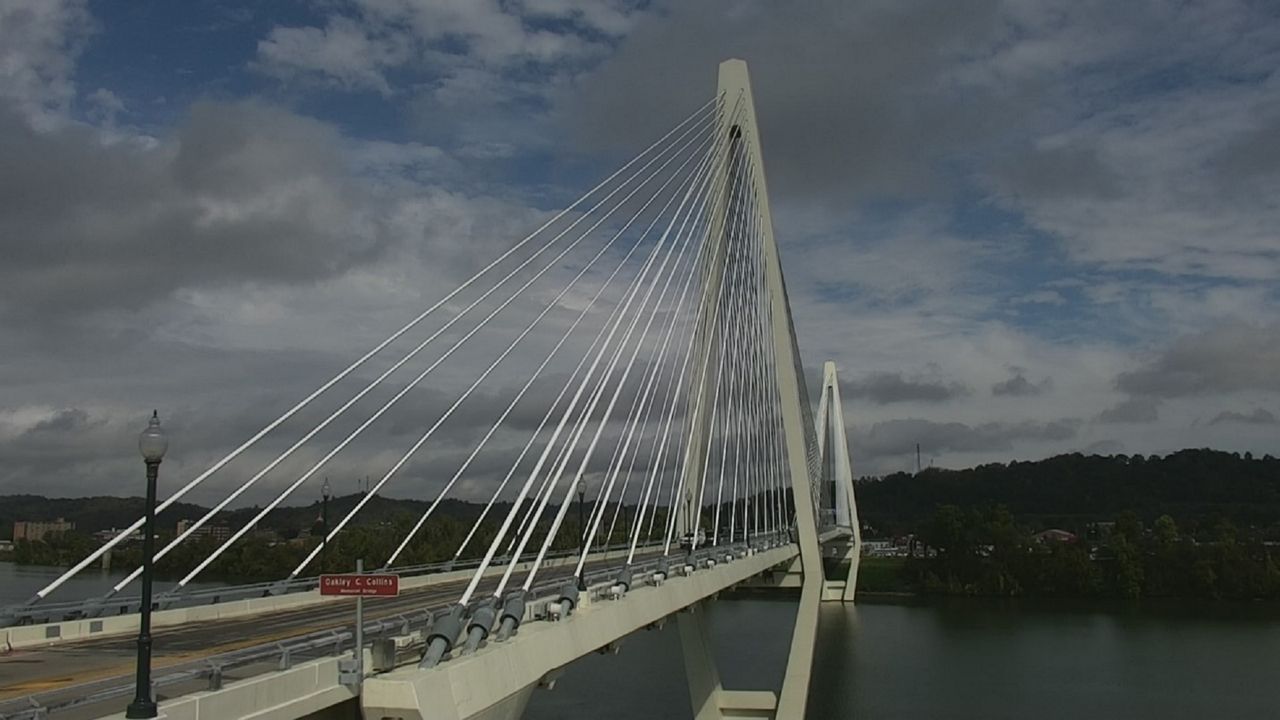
x: 74, y: 670
x: 495, y: 681
x: 61, y: 671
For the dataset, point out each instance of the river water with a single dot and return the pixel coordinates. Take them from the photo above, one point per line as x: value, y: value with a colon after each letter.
x: 19, y: 582
x: 976, y: 659
x: 979, y: 659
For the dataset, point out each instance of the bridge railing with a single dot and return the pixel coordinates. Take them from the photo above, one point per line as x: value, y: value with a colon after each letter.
x: 826, y: 519
x: 127, y: 604
x: 209, y: 673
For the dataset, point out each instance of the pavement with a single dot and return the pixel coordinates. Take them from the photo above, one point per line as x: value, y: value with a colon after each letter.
x: 63, y: 667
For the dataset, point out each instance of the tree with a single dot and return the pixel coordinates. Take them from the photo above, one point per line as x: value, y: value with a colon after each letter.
x: 1164, y: 531
x: 1127, y: 572
x: 1128, y: 526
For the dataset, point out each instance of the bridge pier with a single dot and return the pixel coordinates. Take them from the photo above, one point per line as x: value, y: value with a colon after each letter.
x: 796, y: 422
x: 842, y: 589
x: 708, y: 697
x: 496, y: 681
x: 833, y: 446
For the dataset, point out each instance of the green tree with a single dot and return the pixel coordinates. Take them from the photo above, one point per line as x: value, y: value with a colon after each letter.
x: 1128, y: 526
x: 1127, y: 571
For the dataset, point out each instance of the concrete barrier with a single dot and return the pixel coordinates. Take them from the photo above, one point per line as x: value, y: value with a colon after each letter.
x: 46, y: 634
x: 309, y: 690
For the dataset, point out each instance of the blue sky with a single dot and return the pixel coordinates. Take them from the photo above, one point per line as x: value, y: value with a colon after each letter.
x: 1020, y: 228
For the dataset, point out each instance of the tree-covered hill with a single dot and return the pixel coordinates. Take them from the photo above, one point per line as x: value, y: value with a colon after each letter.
x: 1066, y: 491
x: 1070, y: 491
x: 92, y: 514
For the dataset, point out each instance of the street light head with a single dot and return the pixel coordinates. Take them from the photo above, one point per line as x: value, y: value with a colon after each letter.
x: 152, y: 442
x: 325, y: 489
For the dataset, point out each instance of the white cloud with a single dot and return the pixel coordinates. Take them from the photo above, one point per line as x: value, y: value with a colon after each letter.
x: 1224, y: 359
x: 961, y: 194
x: 39, y: 43
x: 344, y: 52
x: 452, y: 43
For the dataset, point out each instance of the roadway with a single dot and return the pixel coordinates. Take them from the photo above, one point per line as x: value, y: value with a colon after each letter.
x: 59, y: 669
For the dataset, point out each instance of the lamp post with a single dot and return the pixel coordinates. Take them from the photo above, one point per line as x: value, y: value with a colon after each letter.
x: 582, y: 519
x: 582, y: 530
x: 325, y: 491
x: 151, y: 443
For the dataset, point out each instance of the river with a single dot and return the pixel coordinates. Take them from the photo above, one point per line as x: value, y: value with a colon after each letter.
x: 978, y: 659
x: 964, y: 659
x: 19, y: 582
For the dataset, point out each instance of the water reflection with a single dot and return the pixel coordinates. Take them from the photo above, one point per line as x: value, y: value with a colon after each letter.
x: 968, y: 658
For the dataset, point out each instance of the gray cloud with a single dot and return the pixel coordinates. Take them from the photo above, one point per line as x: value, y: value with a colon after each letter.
x: 1252, y: 157
x: 1019, y: 386
x: 883, y: 388
x: 851, y: 97
x: 242, y: 192
x: 223, y: 268
x: 1104, y: 447
x: 1258, y: 416
x: 1131, y: 410
x: 62, y: 425
x: 899, y: 437
x: 1061, y: 171
x: 1228, y: 358
x: 39, y: 43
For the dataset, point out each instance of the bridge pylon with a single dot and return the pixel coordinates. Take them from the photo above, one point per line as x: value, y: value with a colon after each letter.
x: 710, y: 700
x: 837, y: 473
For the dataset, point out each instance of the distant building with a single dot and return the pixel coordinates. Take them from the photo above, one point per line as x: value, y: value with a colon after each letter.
x: 105, y: 535
x: 1054, y: 535
x: 219, y: 533
x: 271, y: 537
x: 877, y: 548
x: 35, y: 530
x: 1099, y: 530
x: 6, y: 546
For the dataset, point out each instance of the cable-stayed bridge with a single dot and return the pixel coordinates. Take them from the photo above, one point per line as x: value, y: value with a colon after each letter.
x: 638, y: 345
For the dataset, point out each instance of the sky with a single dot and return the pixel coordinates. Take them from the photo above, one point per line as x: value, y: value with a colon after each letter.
x: 1019, y: 228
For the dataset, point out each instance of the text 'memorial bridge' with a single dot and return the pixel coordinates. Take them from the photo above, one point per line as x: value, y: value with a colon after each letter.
x: 647, y: 339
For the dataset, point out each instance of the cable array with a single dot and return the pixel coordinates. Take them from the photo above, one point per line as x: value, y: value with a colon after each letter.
x: 643, y: 309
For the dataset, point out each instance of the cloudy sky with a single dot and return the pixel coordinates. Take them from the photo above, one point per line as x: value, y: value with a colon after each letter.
x: 1019, y: 227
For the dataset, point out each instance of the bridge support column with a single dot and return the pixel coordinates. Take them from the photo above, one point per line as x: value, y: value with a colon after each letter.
x: 833, y: 445
x: 709, y: 698
x: 801, y: 462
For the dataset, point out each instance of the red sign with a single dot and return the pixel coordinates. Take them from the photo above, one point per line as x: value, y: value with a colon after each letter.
x: 366, y: 585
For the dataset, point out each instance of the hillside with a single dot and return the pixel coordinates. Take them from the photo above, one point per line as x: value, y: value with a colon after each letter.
x: 1066, y: 491
x: 1072, y: 490
x: 92, y: 514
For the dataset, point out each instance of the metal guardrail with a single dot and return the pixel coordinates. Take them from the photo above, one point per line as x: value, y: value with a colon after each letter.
x: 166, y: 600
x: 282, y: 655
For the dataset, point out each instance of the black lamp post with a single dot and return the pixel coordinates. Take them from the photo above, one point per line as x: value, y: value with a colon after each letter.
x: 325, y: 491
x: 582, y: 530
x: 151, y: 443
x: 582, y: 519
